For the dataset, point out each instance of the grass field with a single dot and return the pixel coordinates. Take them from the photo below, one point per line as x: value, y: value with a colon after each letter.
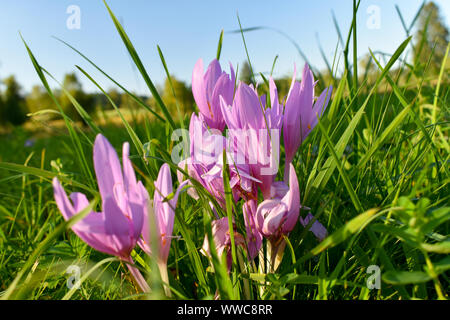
x: 375, y: 173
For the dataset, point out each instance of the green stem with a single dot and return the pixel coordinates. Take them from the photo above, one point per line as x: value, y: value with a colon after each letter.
x: 294, y: 261
x: 433, y: 274
x: 243, y: 270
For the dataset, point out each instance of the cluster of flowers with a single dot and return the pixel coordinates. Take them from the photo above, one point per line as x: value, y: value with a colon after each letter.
x: 254, y: 125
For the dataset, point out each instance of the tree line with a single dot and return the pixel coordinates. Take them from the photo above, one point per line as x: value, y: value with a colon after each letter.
x: 15, y: 105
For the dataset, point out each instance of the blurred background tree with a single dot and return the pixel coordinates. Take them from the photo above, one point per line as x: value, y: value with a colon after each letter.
x: 38, y: 99
x: 431, y: 34
x: 245, y: 75
x: 283, y: 85
x: 115, y: 96
x: 126, y: 102
x: 13, y: 108
x: 183, y: 94
x: 2, y: 119
x: 75, y: 89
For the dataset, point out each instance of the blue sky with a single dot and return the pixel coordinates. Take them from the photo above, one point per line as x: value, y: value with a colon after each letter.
x: 185, y: 31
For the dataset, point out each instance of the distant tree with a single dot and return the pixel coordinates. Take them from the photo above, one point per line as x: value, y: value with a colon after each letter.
x: 183, y: 95
x: 126, y: 102
x: 74, y: 87
x: 38, y: 99
x: 431, y: 33
x: 150, y: 101
x: 245, y: 74
x: 13, y: 107
x: 283, y: 85
x: 2, y: 109
x: 115, y: 96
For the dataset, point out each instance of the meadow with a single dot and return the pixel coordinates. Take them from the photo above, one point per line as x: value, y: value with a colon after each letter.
x: 374, y: 172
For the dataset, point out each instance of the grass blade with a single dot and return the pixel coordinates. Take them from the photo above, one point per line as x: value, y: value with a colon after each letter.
x: 140, y: 66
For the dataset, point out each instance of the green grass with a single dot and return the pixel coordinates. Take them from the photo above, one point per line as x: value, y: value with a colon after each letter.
x: 375, y: 172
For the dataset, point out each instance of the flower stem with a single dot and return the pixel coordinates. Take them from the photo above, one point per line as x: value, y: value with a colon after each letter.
x: 275, y: 251
x: 162, y: 266
x: 262, y: 268
x: 137, y: 276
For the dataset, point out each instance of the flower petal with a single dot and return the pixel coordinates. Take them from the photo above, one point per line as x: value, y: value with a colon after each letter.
x: 317, y: 228
x: 199, y: 87
x: 129, y: 176
x: 62, y: 201
x: 292, y: 201
x: 107, y: 167
x: 254, y: 237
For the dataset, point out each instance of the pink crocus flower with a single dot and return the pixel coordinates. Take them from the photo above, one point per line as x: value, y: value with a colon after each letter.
x: 205, y: 163
x: 205, y: 147
x: 222, y: 240
x: 278, y: 216
x: 301, y: 113
x: 254, y: 237
x: 164, y: 215
x: 254, y: 131
x: 208, y: 87
x: 117, y: 228
x: 241, y: 182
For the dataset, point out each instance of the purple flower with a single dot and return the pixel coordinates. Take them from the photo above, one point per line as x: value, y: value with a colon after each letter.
x: 29, y: 143
x: 254, y: 237
x: 222, y: 240
x: 279, y: 215
x: 117, y: 228
x: 241, y: 182
x: 301, y: 114
x: 208, y: 87
x: 205, y: 163
x: 205, y: 148
x: 254, y: 131
x: 317, y: 228
x: 164, y: 215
